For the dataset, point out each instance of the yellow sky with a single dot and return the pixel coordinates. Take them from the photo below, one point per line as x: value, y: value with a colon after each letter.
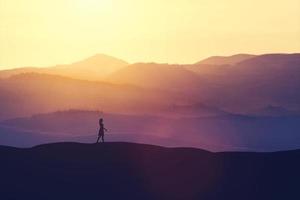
x: 48, y: 32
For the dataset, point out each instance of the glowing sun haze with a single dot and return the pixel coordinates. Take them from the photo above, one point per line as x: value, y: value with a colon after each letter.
x: 49, y: 32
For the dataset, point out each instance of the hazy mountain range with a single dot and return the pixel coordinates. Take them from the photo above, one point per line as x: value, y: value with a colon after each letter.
x: 236, y: 102
x: 253, y: 83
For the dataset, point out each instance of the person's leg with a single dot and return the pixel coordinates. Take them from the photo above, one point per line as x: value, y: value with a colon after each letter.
x: 103, y: 138
x: 98, y: 139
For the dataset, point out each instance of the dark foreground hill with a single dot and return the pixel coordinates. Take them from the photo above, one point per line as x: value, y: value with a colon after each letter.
x: 135, y: 171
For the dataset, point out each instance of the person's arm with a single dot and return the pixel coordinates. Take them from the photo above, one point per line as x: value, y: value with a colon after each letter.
x: 105, y: 129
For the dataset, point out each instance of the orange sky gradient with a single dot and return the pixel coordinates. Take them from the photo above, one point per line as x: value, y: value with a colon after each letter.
x: 49, y: 32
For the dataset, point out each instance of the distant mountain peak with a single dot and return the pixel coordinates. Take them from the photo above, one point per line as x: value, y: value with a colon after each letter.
x: 101, y: 59
x: 226, y: 60
x: 95, y: 67
x: 267, y: 59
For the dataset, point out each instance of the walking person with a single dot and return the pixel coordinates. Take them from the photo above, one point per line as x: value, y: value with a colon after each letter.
x: 101, y: 131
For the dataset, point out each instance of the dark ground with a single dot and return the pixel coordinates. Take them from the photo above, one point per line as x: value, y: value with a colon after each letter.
x: 142, y: 172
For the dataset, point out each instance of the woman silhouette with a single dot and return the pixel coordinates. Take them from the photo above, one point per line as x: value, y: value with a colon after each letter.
x: 101, y: 130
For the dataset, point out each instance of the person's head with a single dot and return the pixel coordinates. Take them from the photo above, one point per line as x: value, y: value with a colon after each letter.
x: 101, y: 120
